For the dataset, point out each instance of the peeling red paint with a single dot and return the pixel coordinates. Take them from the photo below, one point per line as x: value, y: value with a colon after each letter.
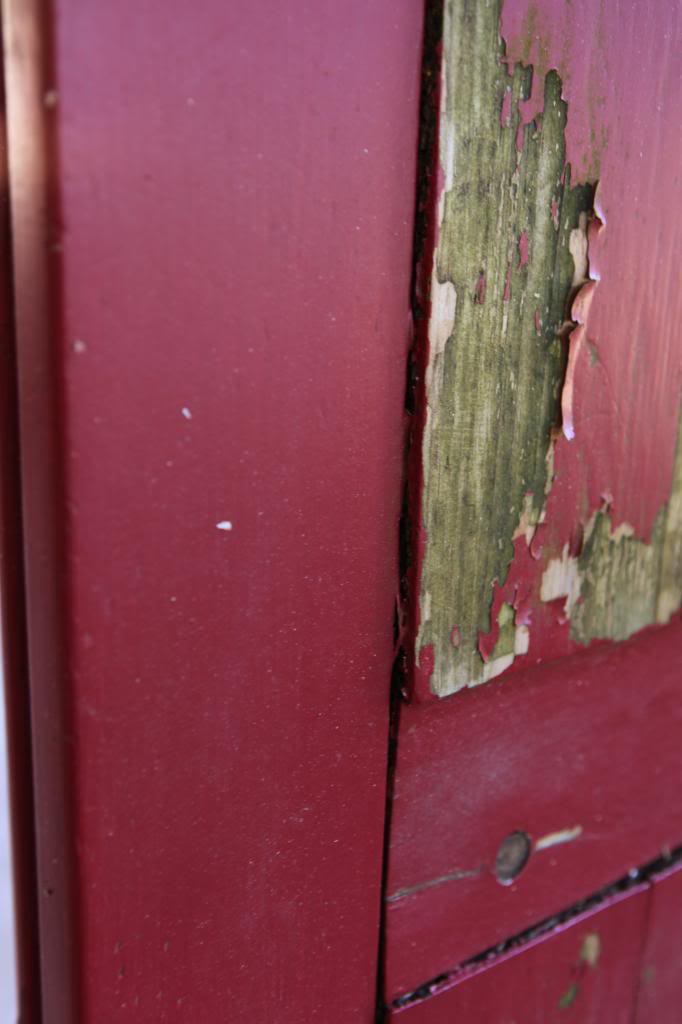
x: 507, y: 285
x: 424, y: 670
x: 516, y: 593
x: 487, y: 641
x: 579, y: 313
x: 620, y: 83
x: 537, y: 542
x: 610, y: 95
x: 505, y: 110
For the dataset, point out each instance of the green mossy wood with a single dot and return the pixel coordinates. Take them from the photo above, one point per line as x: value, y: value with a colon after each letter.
x: 624, y: 583
x: 503, y: 280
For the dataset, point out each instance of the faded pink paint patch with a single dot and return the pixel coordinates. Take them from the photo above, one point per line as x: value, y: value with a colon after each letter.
x: 506, y: 108
x: 529, y: 109
x: 455, y: 636
x: 523, y: 250
x: 506, y: 295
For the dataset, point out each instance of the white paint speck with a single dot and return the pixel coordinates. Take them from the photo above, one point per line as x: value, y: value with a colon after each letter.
x: 224, y: 524
x: 565, y: 835
x: 79, y: 347
x: 186, y: 413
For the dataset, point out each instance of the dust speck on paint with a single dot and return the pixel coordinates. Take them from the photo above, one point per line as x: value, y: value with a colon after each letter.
x: 186, y: 413
x: 224, y: 524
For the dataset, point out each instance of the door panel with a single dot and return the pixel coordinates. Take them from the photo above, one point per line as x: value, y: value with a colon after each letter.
x: 543, y: 578
x: 585, y: 972
x: 593, y: 782
x: 546, y: 498
x: 219, y: 286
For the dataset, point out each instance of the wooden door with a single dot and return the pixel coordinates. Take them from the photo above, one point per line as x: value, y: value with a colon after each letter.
x: 347, y: 700
x: 538, y: 754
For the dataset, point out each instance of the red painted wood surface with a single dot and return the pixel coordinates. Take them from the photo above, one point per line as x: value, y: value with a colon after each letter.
x: 213, y: 213
x: 212, y: 217
x: 571, y: 738
x: 550, y: 750
x: 660, y: 988
x: 620, y: 70
x: 586, y: 972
